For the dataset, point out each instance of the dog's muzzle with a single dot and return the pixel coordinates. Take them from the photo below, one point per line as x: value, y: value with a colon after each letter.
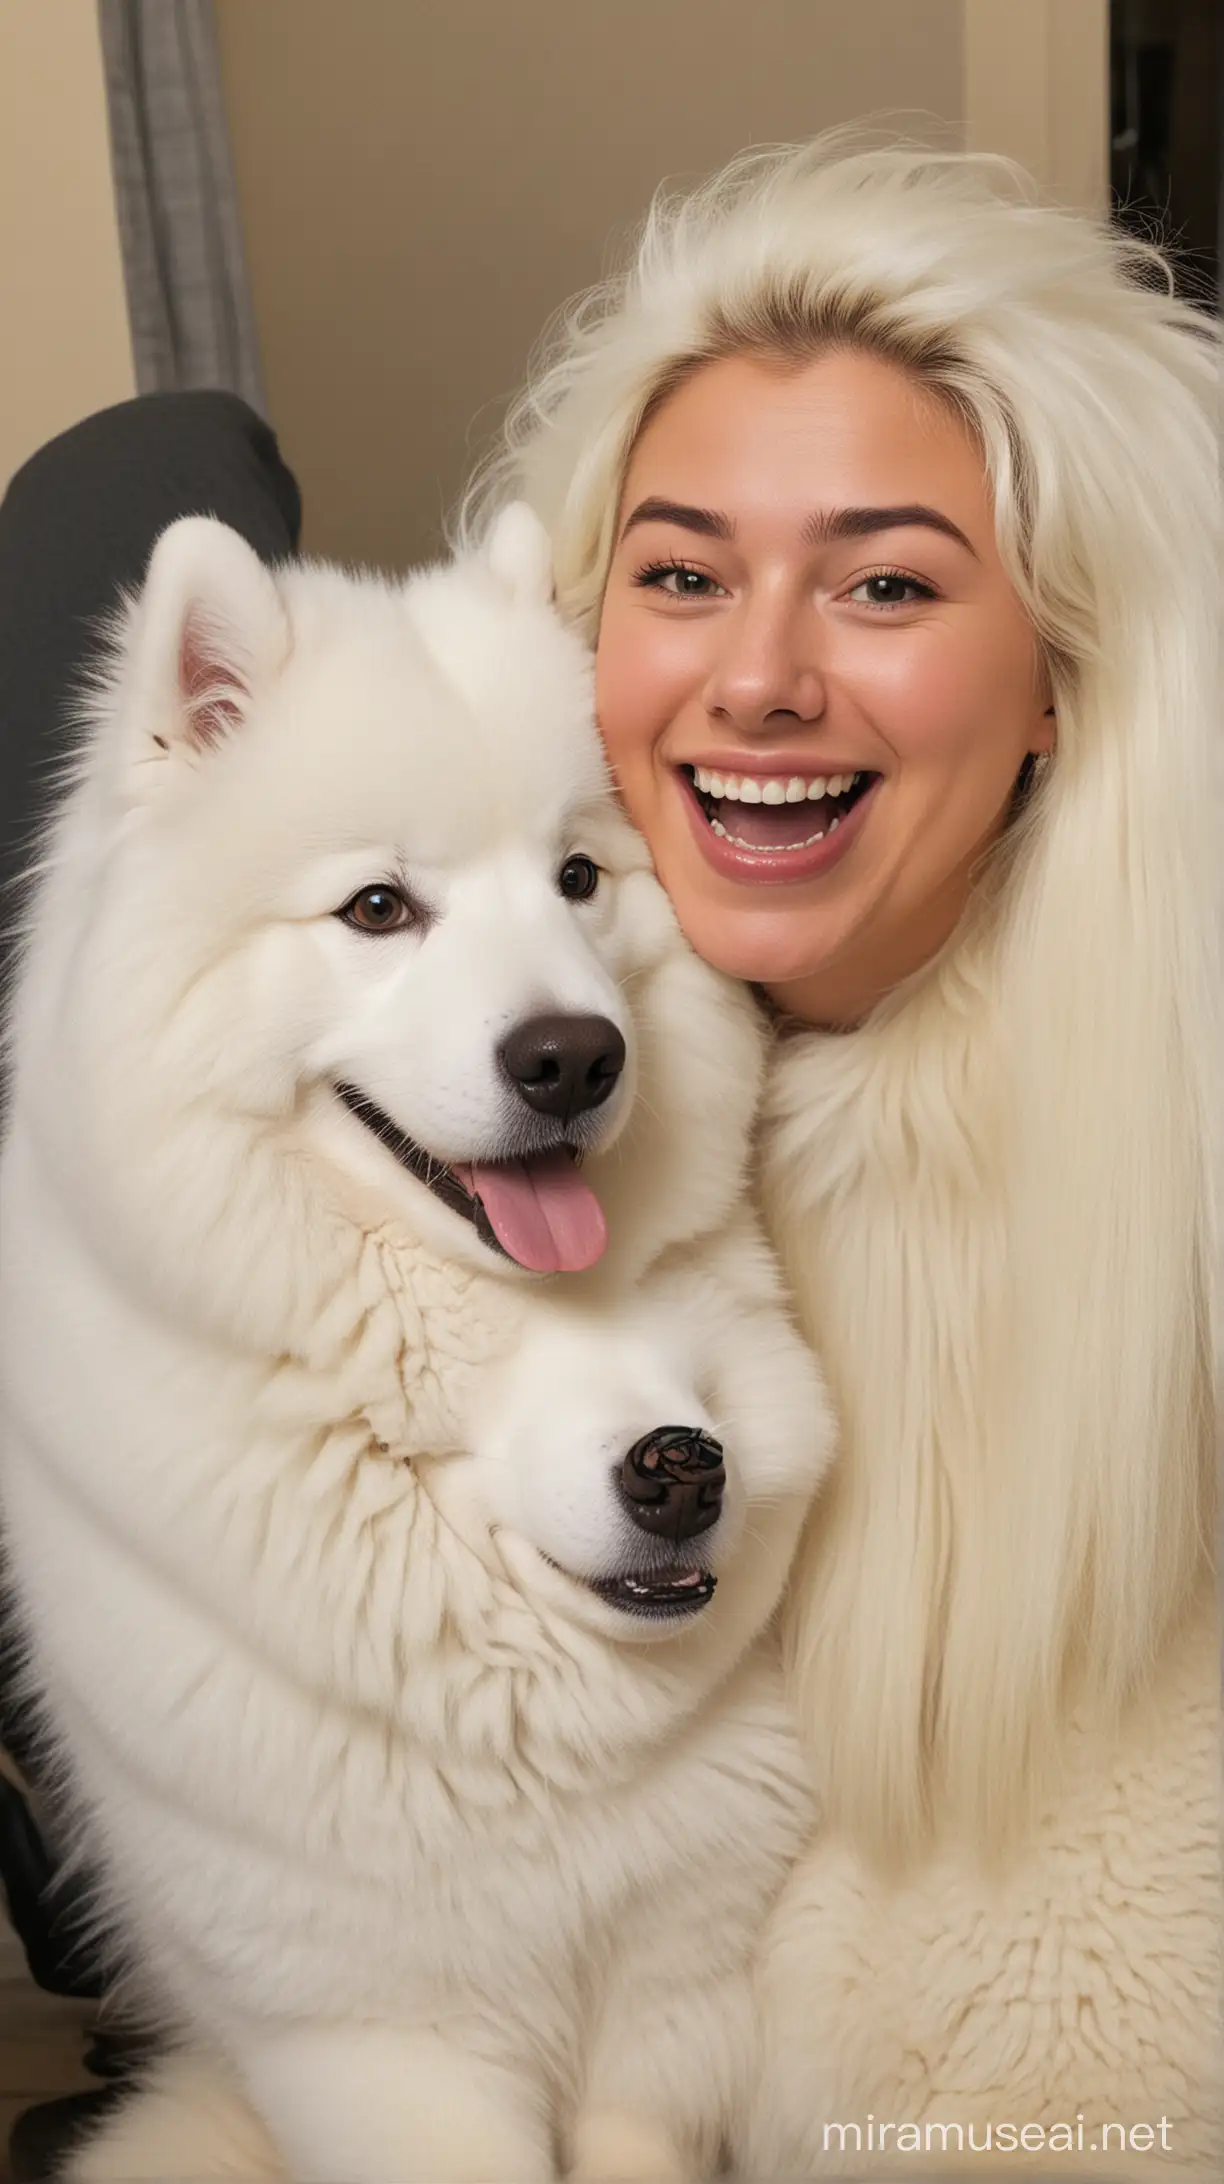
x: 670, y: 1485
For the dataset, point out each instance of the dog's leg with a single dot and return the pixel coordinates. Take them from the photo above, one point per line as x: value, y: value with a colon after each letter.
x: 373, y: 2105
x: 664, y: 2076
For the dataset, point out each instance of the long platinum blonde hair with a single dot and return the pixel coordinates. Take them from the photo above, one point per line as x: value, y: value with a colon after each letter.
x: 1029, y: 1373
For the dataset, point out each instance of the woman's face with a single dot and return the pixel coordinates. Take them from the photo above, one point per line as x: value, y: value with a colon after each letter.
x: 814, y: 681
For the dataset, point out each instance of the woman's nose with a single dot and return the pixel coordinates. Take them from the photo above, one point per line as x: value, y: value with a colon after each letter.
x: 767, y: 665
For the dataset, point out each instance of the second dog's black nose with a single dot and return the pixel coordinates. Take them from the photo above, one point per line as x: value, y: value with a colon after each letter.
x: 563, y: 1065
x: 672, y: 1482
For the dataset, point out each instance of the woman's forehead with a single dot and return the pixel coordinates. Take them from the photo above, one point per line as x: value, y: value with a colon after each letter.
x: 746, y: 434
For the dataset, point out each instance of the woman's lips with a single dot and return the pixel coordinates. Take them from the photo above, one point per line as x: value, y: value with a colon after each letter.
x: 766, y: 867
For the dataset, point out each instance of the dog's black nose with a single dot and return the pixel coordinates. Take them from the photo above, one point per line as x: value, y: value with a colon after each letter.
x: 672, y: 1482
x: 563, y: 1065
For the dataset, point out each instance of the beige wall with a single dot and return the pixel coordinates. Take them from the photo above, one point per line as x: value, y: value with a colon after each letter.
x: 1037, y: 88
x: 64, y: 346
x: 424, y: 181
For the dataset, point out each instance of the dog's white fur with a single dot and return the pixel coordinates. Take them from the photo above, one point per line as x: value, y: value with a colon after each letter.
x: 444, y: 1867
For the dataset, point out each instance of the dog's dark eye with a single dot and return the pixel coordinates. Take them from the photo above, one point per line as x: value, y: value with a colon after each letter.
x: 378, y: 910
x: 578, y: 879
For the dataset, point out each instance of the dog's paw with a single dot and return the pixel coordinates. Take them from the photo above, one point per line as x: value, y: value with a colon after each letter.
x: 611, y: 2147
x: 188, y: 2122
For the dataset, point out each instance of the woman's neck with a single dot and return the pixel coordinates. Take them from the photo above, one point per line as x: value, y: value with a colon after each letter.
x: 837, y: 999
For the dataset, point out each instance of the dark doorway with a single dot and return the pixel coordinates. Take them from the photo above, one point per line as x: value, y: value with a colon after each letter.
x: 1166, y: 93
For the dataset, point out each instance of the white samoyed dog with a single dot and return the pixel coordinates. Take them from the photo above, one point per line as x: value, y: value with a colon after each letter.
x: 404, y: 1438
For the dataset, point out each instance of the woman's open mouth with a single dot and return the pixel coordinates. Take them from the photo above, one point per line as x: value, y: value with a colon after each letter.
x: 537, y: 1211
x: 777, y: 828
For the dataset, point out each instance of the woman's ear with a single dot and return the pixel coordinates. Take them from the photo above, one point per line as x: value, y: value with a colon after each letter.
x: 1045, y: 727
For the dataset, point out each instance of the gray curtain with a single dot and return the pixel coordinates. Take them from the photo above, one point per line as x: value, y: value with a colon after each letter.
x: 188, y: 300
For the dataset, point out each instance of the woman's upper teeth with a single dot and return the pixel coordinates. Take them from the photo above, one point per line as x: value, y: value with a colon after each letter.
x: 778, y: 789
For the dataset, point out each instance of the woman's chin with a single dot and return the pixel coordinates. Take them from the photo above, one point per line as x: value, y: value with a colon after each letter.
x: 753, y: 945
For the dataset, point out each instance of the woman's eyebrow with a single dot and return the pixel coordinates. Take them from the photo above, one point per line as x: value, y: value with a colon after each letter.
x: 707, y: 521
x: 819, y: 530
x: 838, y: 523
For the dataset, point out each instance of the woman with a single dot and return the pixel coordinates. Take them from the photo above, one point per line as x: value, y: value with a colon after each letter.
x: 889, y: 499
x: 874, y: 469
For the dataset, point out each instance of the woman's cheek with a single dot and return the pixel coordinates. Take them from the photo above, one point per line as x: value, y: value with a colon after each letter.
x: 910, y: 697
x: 626, y: 706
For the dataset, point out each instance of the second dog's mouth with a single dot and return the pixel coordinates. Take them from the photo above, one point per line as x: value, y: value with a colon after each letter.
x: 656, y: 1593
x: 537, y: 1211
x: 659, y: 1595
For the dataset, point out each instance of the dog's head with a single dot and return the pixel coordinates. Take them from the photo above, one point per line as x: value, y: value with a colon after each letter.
x: 344, y: 885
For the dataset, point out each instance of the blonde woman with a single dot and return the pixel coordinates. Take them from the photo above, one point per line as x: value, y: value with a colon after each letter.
x: 874, y: 469
x: 889, y: 500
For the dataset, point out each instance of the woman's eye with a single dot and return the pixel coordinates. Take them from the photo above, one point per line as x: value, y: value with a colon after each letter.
x: 889, y: 589
x: 378, y: 910
x: 578, y: 879
x: 676, y: 580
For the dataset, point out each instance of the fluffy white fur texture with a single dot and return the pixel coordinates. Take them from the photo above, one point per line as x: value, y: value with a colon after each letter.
x: 445, y: 1867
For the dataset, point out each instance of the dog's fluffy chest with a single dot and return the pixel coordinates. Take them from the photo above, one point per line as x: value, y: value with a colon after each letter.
x: 403, y: 1345
x: 421, y: 1875
x: 379, y: 1766
x: 432, y: 1787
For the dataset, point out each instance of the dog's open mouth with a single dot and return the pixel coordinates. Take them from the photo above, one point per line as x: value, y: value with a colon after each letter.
x: 537, y: 1211
x: 656, y: 1592
x: 662, y: 1594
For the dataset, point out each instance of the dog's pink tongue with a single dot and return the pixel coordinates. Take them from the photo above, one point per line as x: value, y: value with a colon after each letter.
x: 542, y: 1212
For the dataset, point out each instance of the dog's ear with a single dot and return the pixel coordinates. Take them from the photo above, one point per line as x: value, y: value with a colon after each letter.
x: 208, y: 631
x: 519, y: 552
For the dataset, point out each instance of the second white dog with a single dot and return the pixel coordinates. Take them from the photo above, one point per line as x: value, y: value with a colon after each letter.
x: 404, y: 1441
